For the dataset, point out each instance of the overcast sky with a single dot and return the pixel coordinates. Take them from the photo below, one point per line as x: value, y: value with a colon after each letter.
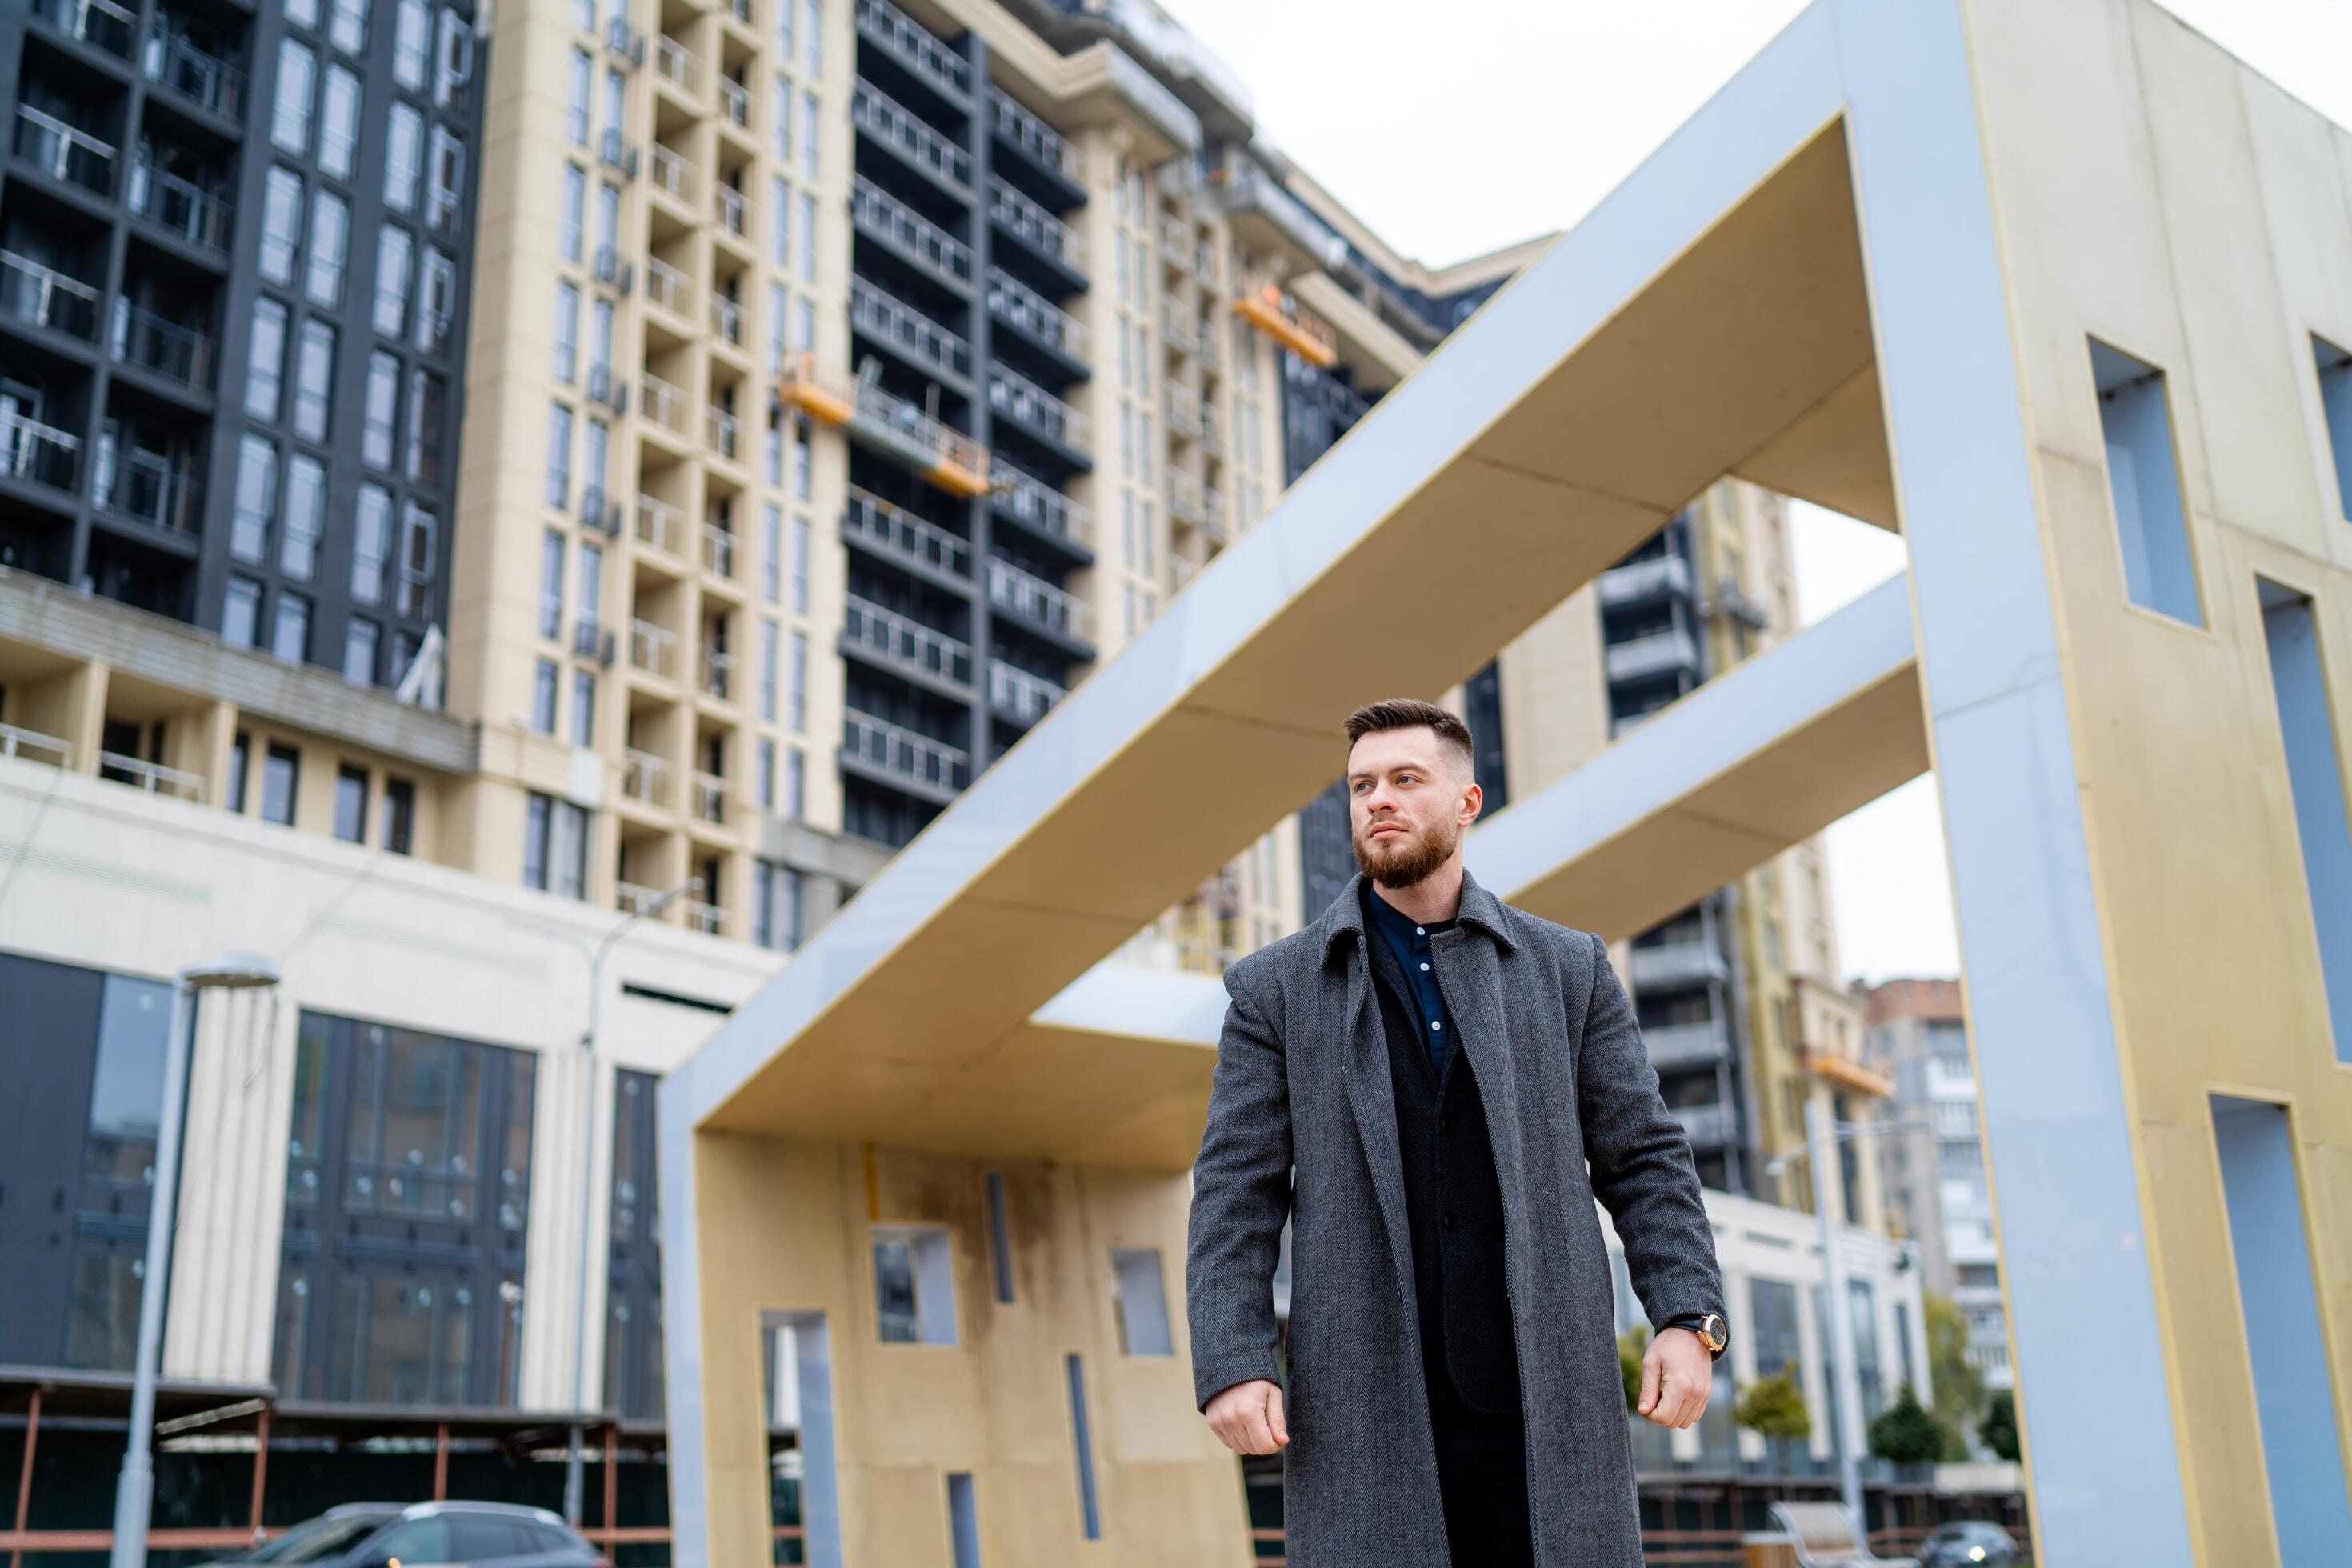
x: 1452, y: 132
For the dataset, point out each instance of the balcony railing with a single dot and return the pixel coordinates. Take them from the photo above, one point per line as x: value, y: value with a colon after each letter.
x: 1212, y: 429
x: 718, y: 551
x: 1026, y: 697
x: 1676, y: 964
x: 607, y: 388
x: 624, y: 41
x: 1178, y: 325
x: 31, y: 745
x: 1661, y: 576
x: 41, y: 296
x: 1176, y: 246
x: 1041, y: 506
x: 613, y: 149
x: 144, y: 339
x: 728, y: 207
x: 653, y: 648
x: 673, y: 174
x: 1185, y: 497
x: 100, y: 24
x: 1019, y: 398
x: 1184, y: 412
x: 153, y: 777
x: 675, y: 64
x: 894, y: 749
x: 1010, y: 299
x: 37, y: 453
x: 957, y: 461
x: 702, y: 915
x: 63, y: 153
x: 1034, y: 224
x: 710, y: 799
x: 718, y: 675
x: 725, y: 433
x: 669, y: 288
x: 1659, y: 653
x: 1032, y: 135
x: 891, y: 31
x: 902, y: 130
x: 189, y: 212
x: 644, y: 777
x: 727, y: 319
x: 886, y: 318
x: 1686, y: 1045
x: 144, y: 487
x: 1209, y: 345
x: 175, y: 63
x: 1704, y: 1125
x: 735, y: 102
x: 663, y: 404
x: 1037, y: 601
x: 898, y: 225
x: 610, y: 268
x: 905, y: 535
x: 906, y: 642
x: 658, y: 524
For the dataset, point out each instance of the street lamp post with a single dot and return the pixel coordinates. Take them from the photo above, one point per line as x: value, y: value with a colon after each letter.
x: 574, y: 1462
x: 135, y: 1491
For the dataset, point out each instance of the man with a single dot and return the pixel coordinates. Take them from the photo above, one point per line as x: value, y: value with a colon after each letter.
x: 1433, y: 1087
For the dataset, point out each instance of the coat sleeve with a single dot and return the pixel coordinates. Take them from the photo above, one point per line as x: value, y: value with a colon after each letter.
x: 1642, y: 1167
x: 1241, y: 1197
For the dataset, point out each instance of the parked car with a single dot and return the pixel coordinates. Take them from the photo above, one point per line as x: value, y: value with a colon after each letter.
x: 454, y: 1534
x: 1971, y: 1543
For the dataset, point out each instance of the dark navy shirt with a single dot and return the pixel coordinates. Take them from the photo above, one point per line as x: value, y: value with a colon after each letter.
x: 1409, y: 938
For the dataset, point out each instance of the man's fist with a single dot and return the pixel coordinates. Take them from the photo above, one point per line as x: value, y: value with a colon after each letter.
x: 1678, y: 1373
x: 1247, y: 1417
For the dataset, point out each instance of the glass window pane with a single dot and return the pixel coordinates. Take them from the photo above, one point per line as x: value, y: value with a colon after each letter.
x: 298, y: 72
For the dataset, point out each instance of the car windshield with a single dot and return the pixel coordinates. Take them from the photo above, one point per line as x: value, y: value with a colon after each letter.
x: 319, y: 1538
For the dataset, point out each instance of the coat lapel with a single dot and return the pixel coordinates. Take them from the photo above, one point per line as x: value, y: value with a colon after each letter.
x: 1363, y: 1053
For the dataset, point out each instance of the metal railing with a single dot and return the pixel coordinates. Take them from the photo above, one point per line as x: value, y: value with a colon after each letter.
x: 144, y: 487
x: 1035, y: 600
x: 1032, y: 135
x: 613, y: 149
x: 1176, y: 247
x: 653, y: 648
x: 900, y: 533
x: 1660, y: 576
x: 1207, y: 344
x: 895, y: 224
x: 195, y: 215
x: 15, y: 742
x: 1010, y: 300
x: 675, y: 64
x: 905, y: 641
x: 37, y: 452
x: 1185, y: 497
x: 153, y: 777
x: 1016, y: 494
x: 1183, y: 407
x: 735, y: 102
x: 724, y: 432
x: 43, y: 297
x: 718, y: 672
x: 669, y: 288
x: 147, y: 340
x: 645, y: 777
x: 904, y: 132
x: 894, y: 749
x: 718, y: 551
x: 1034, y: 224
x: 727, y: 206
x: 903, y: 422
x: 709, y: 798
x: 1027, y: 697
x: 1178, y: 325
x: 202, y: 78
x: 663, y: 404
x: 608, y: 266
x: 673, y: 174
x: 727, y: 319
x: 657, y: 524
x: 913, y: 47
x: 625, y: 41
x: 889, y: 319
x: 702, y: 915
x: 1212, y: 429
x: 1657, y: 653
x: 63, y: 153
x: 100, y: 24
x: 1704, y: 1125
x: 1018, y: 397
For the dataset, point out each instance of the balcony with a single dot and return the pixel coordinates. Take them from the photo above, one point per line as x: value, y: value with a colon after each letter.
x: 1047, y: 511
x: 727, y: 206
x: 875, y: 525
x: 1209, y: 345
x: 1184, y: 409
x: 1284, y: 319
x: 1039, y: 143
x: 706, y: 918
x: 624, y: 42
x: 100, y: 24
x: 660, y: 526
x: 1673, y: 1046
x: 1645, y: 582
x: 1037, y: 319
x: 210, y: 83
x: 735, y: 103
x: 673, y: 63
x: 1180, y: 327
x: 727, y: 321
x: 613, y: 151
x: 187, y: 211
x: 673, y: 175
x: 718, y: 551
x: 64, y: 153
x: 940, y: 68
x: 146, y: 488
x: 38, y: 296
x: 144, y: 339
x: 1672, y: 652
x: 607, y: 389
x: 904, y: 646
x: 1038, y: 411
x: 1020, y: 696
x: 710, y: 802
x: 1047, y: 237
x: 669, y: 288
x: 33, y: 746
x: 1677, y: 966
x: 663, y: 404
x: 718, y: 677
x: 35, y: 454
x: 1184, y: 499
x: 1706, y: 1126
x: 1040, y: 603
x: 724, y: 433
x: 609, y: 268
x: 914, y: 239
x: 590, y: 640
x: 903, y: 132
x: 644, y: 777
x: 883, y: 423
x: 878, y: 748
x: 1269, y: 218
x: 918, y: 340
x: 1212, y: 429
x: 653, y: 649
x: 153, y: 777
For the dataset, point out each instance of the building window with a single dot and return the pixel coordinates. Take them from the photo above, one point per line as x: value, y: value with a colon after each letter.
x: 282, y: 772
x: 576, y: 87
x: 297, y: 76
x: 330, y: 232
x: 550, y: 584
x: 811, y: 120
x: 591, y: 586
x: 1142, y: 1298
x: 448, y: 180
x: 914, y: 1285
x: 306, y: 513
x: 425, y: 396
x: 767, y: 673
x: 257, y: 500
x: 418, y: 529
x: 575, y: 204
x: 440, y: 302
x: 763, y: 773
x: 2160, y: 569
x: 379, y: 426
x: 412, y: 34
x: 779, y: 227
x: 456, y: 70
x: 1082, y: 1439
x: 281, y: 224
x: 542, y: 697
x: 351, y: 804
x: 371, y: 544
x: 795, y: 782
x: 239, y: 750
x: 348, y: 28
x: 632, y: 1334
x: 776, y: 907
x: 395, y: 256
x: 583, y: 708
x: 241, y: 612
x: 338, y: 122
x: 360, y: 639
x: 290, y: 637
x: 559, y: 456
x: 314, y: 380
x: 399, y: 815
x: 1000, y: 1235
x: 555, y: 846
x: 265, y: 362
x: 798, y: 711
x: 403, y: 158
x: 567, y: 332
x: 805, y: 220
x: 771, y: 550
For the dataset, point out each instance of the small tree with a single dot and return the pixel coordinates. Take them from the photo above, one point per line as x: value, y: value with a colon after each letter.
x: 1630, y: 1348
x: 1906, y: 1433
x: 1959, y: 1388
x: 1775, y: 1407
x: 2000, y: 1429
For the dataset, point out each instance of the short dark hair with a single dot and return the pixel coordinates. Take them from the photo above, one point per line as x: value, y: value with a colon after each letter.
x: 1407, y: 713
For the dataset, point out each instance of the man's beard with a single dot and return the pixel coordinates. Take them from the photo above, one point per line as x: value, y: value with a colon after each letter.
x: 1402, y: 868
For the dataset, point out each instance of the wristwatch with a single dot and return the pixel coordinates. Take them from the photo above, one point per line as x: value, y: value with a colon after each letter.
x: 1712, y: 1330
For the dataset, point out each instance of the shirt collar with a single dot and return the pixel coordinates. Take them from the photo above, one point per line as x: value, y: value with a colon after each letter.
x: 1480, y: 908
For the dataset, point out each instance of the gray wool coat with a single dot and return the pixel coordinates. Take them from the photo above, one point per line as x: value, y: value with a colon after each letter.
x: 1572, y: 1108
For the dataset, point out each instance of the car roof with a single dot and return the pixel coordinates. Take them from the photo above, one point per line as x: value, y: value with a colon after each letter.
x: 496, y: 1510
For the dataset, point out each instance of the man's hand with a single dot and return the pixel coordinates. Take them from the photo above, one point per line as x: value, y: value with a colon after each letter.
x: 1677, y: 1374
x: 1247, y: 1417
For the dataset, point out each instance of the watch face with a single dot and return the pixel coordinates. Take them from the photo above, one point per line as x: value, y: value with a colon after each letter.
x: 1714, y: 1330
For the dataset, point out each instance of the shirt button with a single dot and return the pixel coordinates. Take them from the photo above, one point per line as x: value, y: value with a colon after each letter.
x: 1424, y: 966
x: 1421, y: 930
x: 1435, y: 1025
